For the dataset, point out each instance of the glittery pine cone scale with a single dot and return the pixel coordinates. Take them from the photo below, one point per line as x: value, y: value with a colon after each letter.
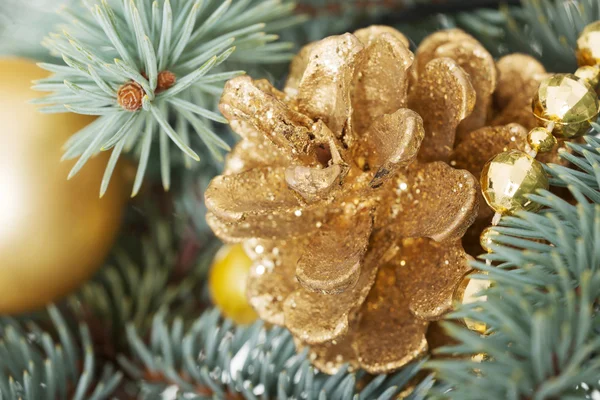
x: 343, y: 193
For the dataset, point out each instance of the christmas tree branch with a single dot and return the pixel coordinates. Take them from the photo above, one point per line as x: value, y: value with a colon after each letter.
x: 143, y: 277
x: 215, y: 359
x: 36, y: 364
x: 542, y: 308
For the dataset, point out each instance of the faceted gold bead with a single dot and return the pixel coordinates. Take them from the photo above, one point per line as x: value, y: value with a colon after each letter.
x: 479, y: 358
x: 569, y: 102
x: 590, y: 74
x: 468, y: 292
x: 486, y: 238
x: 508, y: 178
x: 588, y: 45
x: 541, y: 140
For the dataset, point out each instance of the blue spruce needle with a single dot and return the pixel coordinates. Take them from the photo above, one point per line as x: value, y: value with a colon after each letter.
x: 151, y: 71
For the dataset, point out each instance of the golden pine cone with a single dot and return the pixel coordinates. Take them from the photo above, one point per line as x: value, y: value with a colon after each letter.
x: 342, y: 188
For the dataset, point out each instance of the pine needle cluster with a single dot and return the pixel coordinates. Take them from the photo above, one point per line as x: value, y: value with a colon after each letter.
x: 151, y: 72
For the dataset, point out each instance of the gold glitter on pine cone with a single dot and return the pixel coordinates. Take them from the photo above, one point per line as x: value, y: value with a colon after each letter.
x: 343, y: 193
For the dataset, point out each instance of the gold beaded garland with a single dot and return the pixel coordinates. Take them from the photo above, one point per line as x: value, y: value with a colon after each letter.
x: 565, y: 104
x: 508, y: 178
x: 568, y: 102
x: 541, y: 140
x: 486, y: 238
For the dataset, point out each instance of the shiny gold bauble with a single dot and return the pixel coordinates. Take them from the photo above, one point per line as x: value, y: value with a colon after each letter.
x: 54, y: 233
x: 541, y: 140
x: 568, y: 102
x: 227, y: 283
x: 588, y: 45
x: 508, y: 178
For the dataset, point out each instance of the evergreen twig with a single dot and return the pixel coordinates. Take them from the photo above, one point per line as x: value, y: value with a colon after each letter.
x: 214, y: 359
x: 151, y: 71
x: 36, y: 366
x: 141, y: 279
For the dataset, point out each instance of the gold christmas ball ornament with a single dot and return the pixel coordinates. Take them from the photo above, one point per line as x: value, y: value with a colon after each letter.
x: 54, y: 232
x: 508, y: 178
x: 227, y: 283
x: 568, y: 102
x: 588, y: 45
x: 541, y: 140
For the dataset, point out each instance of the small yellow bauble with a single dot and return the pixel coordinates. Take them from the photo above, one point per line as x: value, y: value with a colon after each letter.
x: 508, y: 178
x: 227, y: 283
x: 588, y: 45
x: 54, y: 233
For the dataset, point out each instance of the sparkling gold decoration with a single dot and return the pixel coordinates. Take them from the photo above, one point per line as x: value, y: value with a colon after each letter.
x: 566, y: 105
x: 508, y: 178
x: 567, y: 101
x: 475, y: 150
x: 588, y: 45
x: 429, y: 45
x: 590, y: 74
x: 341, y: 184
x: 450, y: 103
x: 487, y: 238
x: 54, y: 232
x: 325, y: 191
x: 227, y: 283
x: 541, y: 140
x: 519, y: 78
x: 469, y: 292
x: 471, y: 56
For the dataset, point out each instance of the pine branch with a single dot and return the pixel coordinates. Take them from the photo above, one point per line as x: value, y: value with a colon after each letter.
x: 36, y: 366
x: 141, y: 279
x: 216, y: 360
x: 542, y: 309
x: 546, y: 29
x: 152, y: 71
